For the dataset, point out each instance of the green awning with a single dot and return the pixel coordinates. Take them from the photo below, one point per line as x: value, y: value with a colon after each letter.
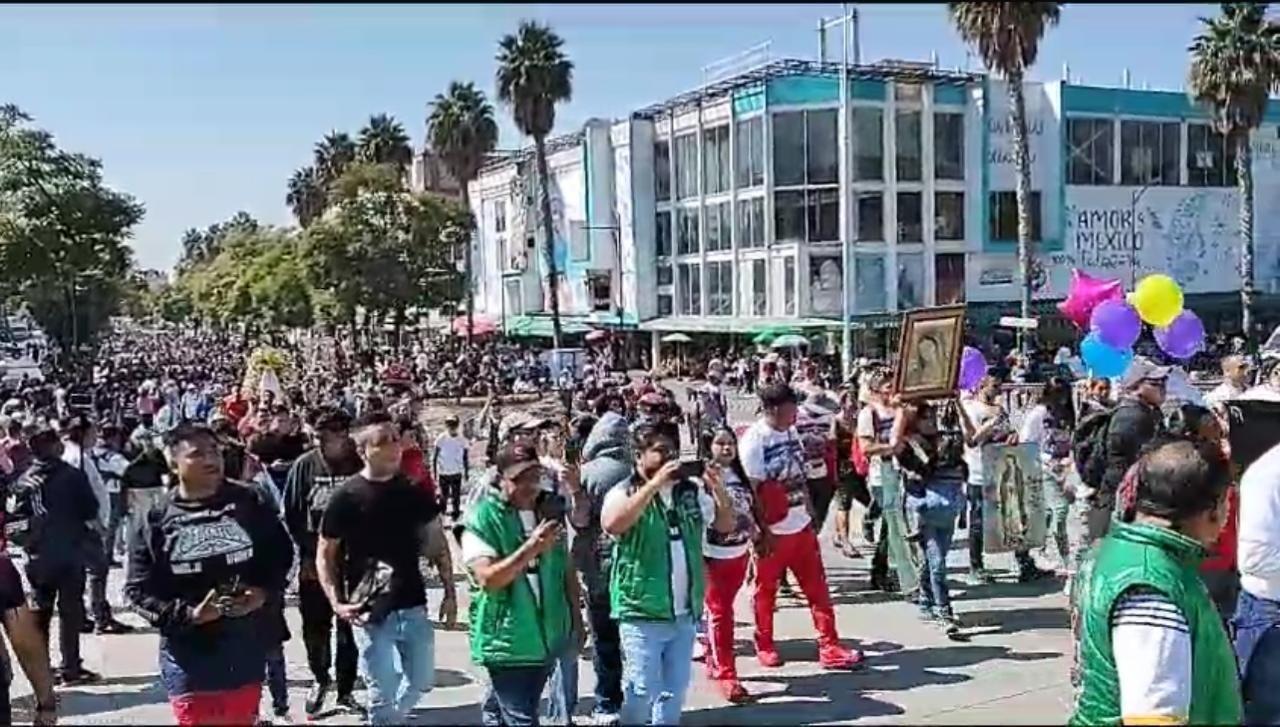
x: 540, y: 326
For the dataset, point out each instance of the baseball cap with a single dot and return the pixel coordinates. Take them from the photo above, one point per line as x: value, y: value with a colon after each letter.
x: 1142, y: 369
x: 519, y: 421
x: 516, y: 459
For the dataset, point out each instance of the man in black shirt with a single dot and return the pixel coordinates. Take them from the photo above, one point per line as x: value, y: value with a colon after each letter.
x: 311, y: 482
x: 371, y: 533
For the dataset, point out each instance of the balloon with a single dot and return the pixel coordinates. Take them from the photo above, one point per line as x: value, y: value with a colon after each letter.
x: 1158, y: 299
x: 973, y: 367
x: 1103, y: 361
x: 1182, y: 338
x: 1116, y: 323
x: 1085, y: 293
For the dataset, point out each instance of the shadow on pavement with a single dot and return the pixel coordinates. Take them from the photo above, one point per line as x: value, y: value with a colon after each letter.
x: 996, y: 590
x: 94, y: 699
x: 1014, y: 620
x: 825, y: 697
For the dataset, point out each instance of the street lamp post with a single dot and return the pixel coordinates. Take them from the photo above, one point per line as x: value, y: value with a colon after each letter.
x: 849, y: 16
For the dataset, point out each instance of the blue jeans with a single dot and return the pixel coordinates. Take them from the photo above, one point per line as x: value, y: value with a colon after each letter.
x: 937, y: 509
x: 657, y: 658
x: 396, y: 684
x: 606, y: 655
x: 277, y: 679
x: 1257, y: 642
x: 512, y: 698
x: 562, y: 688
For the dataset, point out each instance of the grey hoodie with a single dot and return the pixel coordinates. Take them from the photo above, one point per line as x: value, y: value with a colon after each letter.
x: 607, y: 461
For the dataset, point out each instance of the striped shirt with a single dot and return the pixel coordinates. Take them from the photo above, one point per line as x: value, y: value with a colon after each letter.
x: 1151, y: 641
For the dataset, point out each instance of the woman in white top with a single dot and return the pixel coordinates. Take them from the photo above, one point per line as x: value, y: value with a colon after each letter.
x: 1049, y: 424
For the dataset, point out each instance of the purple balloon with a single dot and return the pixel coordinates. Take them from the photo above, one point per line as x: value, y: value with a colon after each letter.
x: 1116, y: 323
x: 1182, y: 338
x: 972, y: 368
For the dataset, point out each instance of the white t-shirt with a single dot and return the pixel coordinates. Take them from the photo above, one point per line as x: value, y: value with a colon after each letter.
x: 111, y: 466
x: 768, y: 454
x: 979, y: 414
x: 679, y: 565
x: 1258, y: 552
x: 473, y: 548
x: 1151, y: 643
x: 451, y: 453
x: 741, y: 501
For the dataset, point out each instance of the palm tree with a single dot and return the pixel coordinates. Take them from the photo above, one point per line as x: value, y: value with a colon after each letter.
x: 334, y: 153
x: 461, y: 129
x: 1235, y: 62
x: 1007, y: 36
x: 306, y: 196
x: 383, y: 141
x: 533, y: 76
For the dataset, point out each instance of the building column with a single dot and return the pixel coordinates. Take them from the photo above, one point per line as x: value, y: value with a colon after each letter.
x: 655, y: 349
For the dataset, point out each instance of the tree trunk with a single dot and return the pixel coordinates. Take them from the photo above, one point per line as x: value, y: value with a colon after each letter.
x: 548, y: 237
x: 467, y: 271
x: 1021, y: 161
x: 1244, y: 180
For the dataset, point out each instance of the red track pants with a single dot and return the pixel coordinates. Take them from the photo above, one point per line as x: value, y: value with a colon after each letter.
x: 799, y: 554
x: 230, y: 707
x: 724, y: 579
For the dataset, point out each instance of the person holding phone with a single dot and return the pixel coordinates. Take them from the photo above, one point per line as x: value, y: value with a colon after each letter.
x: 657, y: 584
x: 524, y: 592
x: 202, y: 564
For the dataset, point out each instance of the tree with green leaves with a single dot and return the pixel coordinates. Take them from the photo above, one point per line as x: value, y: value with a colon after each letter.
x: 460, y: 127
x: 63, y: 232
x: 201, y: 245
x: 1235, y: 63
x: 533, y: 76
x: 306, y: 195
x: 384, y: 141
x: 1007, y: 37
x: 333, y: 154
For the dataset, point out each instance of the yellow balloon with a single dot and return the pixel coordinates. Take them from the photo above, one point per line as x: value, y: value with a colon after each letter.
x: 1158, y: 299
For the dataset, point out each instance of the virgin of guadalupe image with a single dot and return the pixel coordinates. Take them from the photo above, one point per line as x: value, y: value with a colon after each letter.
x: 1011, y: 494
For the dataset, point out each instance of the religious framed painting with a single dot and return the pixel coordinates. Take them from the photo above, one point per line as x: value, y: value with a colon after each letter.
x: 929, y: 353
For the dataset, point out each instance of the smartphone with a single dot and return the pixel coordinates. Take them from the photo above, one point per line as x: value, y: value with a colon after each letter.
x: 691, y: 469
x: 572, y: 452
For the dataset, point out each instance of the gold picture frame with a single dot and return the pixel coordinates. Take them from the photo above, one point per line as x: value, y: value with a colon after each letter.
x: 929, y: 353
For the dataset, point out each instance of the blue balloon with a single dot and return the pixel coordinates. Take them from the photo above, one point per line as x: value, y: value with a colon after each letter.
x: 1104, y: 361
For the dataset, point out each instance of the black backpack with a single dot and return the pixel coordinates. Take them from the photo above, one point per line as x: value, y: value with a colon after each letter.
x: 24, y: 510
x: 1089, y: 446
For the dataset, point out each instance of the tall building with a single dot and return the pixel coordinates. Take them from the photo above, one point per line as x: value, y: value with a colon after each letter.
x: 716, y: 212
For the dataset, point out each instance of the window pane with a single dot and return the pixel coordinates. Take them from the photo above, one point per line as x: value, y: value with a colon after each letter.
x: 948, y: 216
x: 870, y: 289
x: 1170, y: 153
x: 662, y: 235
x: 1210, y: 161
x: 687, y: 232
x: 948, y: 146
x: 720, y: 288
x: 662, y: 170
x: 1090, y: 153
x: 906, y: 92
x: 870, y: 217
x: 824, y: 215
x: 788, y: 149
x: 664, y: 273
x: 825, y: 285
x: 686, y: 166
x: 664, y: 304
x: 751, y: 223
x: 868, y: 143
x: 948, y: 270
x: 759, y: 288
x: 690, y: 288
x: 715, y: 156
x: 1004, y: 216
x: 909, y: 213
x: 910, y: 280
x: 788, y: 216
x: 789, y: 285
x: 820, y: 149
x: 750, y: 152
x: 907, y: 136
x: 718, y: 229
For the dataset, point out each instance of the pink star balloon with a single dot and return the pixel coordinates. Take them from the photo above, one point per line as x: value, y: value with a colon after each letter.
x: 1085, y: 293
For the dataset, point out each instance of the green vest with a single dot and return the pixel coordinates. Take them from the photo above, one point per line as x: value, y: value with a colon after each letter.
x: 1144, y: 555
x: 640, y: 582
x: 510, y: 627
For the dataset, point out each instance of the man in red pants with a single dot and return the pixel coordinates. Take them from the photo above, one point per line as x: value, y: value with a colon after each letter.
x: 773, y: 457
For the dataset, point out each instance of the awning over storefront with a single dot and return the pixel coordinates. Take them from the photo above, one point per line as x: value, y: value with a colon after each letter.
x: 540, y: 326
x: 713, y: 324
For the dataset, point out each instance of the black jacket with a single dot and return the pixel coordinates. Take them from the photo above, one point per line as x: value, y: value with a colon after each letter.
x: 1133, y: 425
x: 70, y: 505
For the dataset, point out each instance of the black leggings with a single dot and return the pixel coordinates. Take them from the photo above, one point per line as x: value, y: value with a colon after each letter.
x: 851, y: 488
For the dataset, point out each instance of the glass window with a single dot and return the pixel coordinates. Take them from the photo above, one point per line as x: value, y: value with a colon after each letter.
x: 1150, y: 152
x: 871, y: 289
x: 686, y: 147
x: 870, y: 217
x: 1090, y: 142
x: 907, y: 136
x: 687, y: 232
x: 759, y: 288
x: 511, y: 290
x: 664, y: 304
x: 868, y: 143
x: 662, y: 170
x: 788, y: 149
x: 948, y: 146
x: 499, y: 216
x: 948, y: 216
x: 910, y: 280
x: 1211, y: 162
x: 826, y: 282
x: 664, y: 273
x: 948, y: 275
x: 788, y: 217
x: 906, y: 92
x: 751, y: 222
x: 750, y: 157
x: 720, y: 288
x: 689, y: 285
x: 715, y: 160
x: 824, y: 215
x: 662, y: 235
x: 789, y: 286
x: 719, y: 227
x: 910, y: 227
x: 1004, y: 216
x: 822, y: 158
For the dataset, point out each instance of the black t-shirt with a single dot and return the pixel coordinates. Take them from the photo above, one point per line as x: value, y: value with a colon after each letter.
x: 380, y: 521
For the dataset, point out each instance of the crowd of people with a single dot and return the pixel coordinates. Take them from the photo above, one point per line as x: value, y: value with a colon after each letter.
x: 620, y: 516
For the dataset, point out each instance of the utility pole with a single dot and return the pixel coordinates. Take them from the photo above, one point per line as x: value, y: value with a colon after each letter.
x: 847, y: 21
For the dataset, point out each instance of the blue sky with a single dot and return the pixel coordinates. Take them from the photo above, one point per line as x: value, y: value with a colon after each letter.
x: 203, y: 110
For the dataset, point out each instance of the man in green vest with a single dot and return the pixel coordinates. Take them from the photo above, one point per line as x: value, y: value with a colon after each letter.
x: 524, y: 596
x: 1152, y: 648
x: 658, y: 519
